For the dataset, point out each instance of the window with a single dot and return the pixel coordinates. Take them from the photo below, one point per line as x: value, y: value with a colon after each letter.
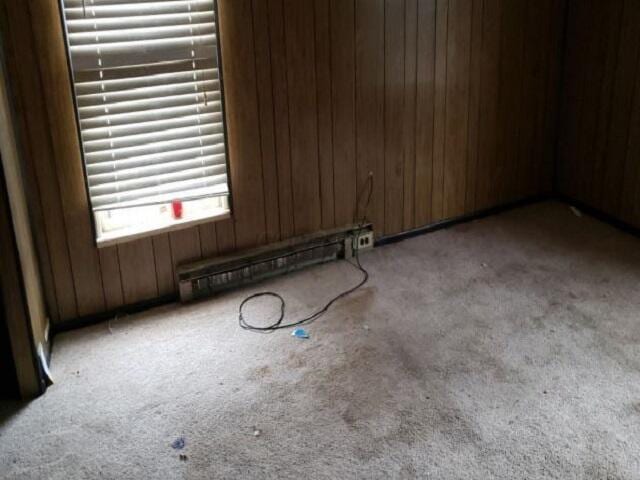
x: 149, y: 104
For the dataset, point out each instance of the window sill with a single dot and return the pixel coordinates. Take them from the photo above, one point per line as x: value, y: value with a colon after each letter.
x: 158, y: 219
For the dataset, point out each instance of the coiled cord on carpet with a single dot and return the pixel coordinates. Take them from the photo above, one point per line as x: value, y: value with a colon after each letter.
x: 278, y: 324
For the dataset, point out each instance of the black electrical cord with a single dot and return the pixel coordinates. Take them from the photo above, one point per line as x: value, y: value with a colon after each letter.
x: 278, y: 325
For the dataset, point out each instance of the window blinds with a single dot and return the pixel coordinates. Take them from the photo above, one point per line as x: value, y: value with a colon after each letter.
x: 148, y: 99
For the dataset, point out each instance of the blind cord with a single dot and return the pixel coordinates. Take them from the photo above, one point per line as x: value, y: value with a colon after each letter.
x: 278, y: 324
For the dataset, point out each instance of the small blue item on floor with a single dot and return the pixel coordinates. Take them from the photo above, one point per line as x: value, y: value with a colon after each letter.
x: 178, y: 443
x: 300, y: 333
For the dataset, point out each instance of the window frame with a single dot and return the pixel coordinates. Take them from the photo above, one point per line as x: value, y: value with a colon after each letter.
x: 178, y: 224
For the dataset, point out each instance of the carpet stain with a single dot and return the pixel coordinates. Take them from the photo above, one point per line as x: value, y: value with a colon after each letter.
x: 259, y: 373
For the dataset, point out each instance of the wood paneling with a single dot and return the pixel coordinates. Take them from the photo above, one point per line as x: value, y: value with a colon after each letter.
x: 325, y: 112
x: 448, y: 103
x: 138, y: 270
x: 425, y: 91
x: 54, y: 72
x: 457, y: 108
x: 370, y: 105
x: 598, y: 148
x: 394, y: 111
x: 267, y: 132
x: 303, y: 116
x: 342, y: 22
x: 35, y: 137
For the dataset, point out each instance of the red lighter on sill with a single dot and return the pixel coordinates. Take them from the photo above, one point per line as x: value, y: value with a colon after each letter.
x: 176, y: 206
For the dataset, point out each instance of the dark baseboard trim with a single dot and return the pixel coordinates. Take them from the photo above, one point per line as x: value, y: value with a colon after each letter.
x: 600, y: 215
x: 101, y: 317
x: 386, y: 240
x: 450, y: 222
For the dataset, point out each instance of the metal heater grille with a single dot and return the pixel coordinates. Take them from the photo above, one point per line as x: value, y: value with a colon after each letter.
x: 205, y: 278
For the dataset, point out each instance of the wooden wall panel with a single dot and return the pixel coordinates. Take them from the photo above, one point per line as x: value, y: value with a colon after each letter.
x: 241, y: 91
x: 440, y: 109
x: 36, y: 141
x: 425, y: 96
x: 475, y: 64
x: 138, y: 270
x: 457, y: 106
x: 448, y: 103
x: 489, y: 95
x: 598, y: 157
x: 111, y: 277
x: 164, y: 263
x: 510, y: 99
x: 410, y: 110
x: 281, y: 115
x: 303, y: 116
x: 267, y: 133
x: 208, y: 239
x: 342, y: 28
x: 622, y: 101
x: 324, y: 90
x: 85, y: 264
x: 370, y: 18
x: 185, y: 246
x: 394, y: 112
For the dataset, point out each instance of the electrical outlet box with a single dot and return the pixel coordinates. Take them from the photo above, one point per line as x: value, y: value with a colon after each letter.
x: 364, y: 241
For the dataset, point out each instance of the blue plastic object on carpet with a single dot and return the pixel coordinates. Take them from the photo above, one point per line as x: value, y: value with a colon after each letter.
x: 300, y: 333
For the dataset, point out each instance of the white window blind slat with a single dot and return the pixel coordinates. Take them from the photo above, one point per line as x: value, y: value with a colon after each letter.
x: 149, y: 92
x: 95, y: 37
x: 158, y: 169
x: 120, y: 131
x: 136, y: 106
x: 94, y: 24
x: 154, y: 148
x: 124, y: 54
x: 156, y: 159
x: 194, y: 190
x: 137, y: 73
x: 143, y: 81
x: 204, y: 186
x: 96, y: 9
x: 148, y: 98
x: 150, y: 115
x: 81, y: 3
x: 136, y: 184
x: 144, y: 139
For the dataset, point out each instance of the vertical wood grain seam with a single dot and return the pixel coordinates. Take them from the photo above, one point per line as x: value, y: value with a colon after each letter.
x: 355, y: 111
x: 474, y: 77
x: 102, y: 288
x: 430, y: 212
x: 120, y: 270
x: 444, y: 117
x: 155, y: 268
x: 469, y: 78
x: 259, y: 122
x: 275, y: 136
x: 404, y: 106
x: 286, y: 80
x: 415, y: 115
x: 49, y: 134
x: 315, y: 72
x: 384, y: 117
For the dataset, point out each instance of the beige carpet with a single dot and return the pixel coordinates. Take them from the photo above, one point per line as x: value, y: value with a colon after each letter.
x: 504, y: 348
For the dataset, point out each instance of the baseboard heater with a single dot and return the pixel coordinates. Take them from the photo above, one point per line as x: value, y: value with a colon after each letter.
x: 207, y: 277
